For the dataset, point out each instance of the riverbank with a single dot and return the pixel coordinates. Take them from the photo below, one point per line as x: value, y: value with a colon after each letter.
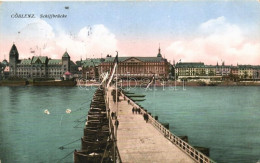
x: 172, y: 83
x: 36, y: 83
x: 127, y: 84
x: 53, y: 83
x: 13, y: 83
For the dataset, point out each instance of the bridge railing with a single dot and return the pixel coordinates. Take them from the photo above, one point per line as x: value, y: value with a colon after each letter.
x: 184, y: 146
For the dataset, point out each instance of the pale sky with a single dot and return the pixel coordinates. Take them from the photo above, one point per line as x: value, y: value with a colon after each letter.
x: 206, y: 31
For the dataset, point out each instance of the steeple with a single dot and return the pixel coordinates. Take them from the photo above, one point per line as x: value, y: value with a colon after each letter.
x: 66, y: 61
x: 159, y: 52
x: 13, y: 60
x: 66, y: 55
x: 14, y: 52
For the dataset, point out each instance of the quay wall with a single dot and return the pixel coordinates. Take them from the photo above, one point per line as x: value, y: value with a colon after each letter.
x: 36, y: 83
x: 53, y: 83
x: 13, y: 83
x: 140, y: 83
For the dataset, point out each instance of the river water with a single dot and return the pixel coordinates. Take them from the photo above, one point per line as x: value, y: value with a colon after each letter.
x: 27, y: 135
x: 225, y: 119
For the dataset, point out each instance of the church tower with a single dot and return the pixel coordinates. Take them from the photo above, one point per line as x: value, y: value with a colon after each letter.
x: 13, y: 60
x: 159, y: 52
x: 65, y: 62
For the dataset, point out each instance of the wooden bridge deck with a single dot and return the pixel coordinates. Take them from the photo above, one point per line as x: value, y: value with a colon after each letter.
x: 139, y: 141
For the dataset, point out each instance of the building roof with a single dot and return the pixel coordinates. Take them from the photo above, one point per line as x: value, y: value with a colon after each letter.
x: 55, y: 62
x: 72, y: 63
x: 5, y: 62
x: 209, y: 66
x: 190, y: 64
x: 257, y: 67
x: 66, y: 55
x: 245, y: 66
x: 91, y: 62
x: 143, y: 59
x: 223, y: 66
x: 43, y: 59
x: 78, y: 63
x: 25, y: 61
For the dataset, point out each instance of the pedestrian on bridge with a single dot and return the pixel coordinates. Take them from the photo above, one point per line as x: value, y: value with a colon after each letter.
x: 112, y: 115
x: 116, y: 123
x: 139, y: 111
x: 133, y: 110
x: 136, y: 110
x: 146, y: 117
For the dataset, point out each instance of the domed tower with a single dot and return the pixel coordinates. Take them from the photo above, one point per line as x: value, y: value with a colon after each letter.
x: 65, y: 62
x: 159, y: 52
x: 13, y: 60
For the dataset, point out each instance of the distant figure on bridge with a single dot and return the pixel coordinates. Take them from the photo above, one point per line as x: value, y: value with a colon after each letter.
x: 133, y: 110
x: 136, y: 110
x: 128, y: 102
x: 146, y: 117
x: 139, y: 111
x: 114, y: 99
x: 116, y: 124
x: 112, y: 115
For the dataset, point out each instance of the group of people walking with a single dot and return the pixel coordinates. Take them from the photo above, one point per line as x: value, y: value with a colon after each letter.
x: 113, y: 116
x: 136, y: 110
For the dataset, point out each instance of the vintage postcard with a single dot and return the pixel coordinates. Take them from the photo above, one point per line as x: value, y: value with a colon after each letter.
x: 130, y: 81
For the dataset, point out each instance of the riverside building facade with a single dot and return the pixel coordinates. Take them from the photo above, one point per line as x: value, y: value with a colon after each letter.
x: 138, y: 67
x: 90, y: 68
x: 198, y: 70
x: 39, y: 66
